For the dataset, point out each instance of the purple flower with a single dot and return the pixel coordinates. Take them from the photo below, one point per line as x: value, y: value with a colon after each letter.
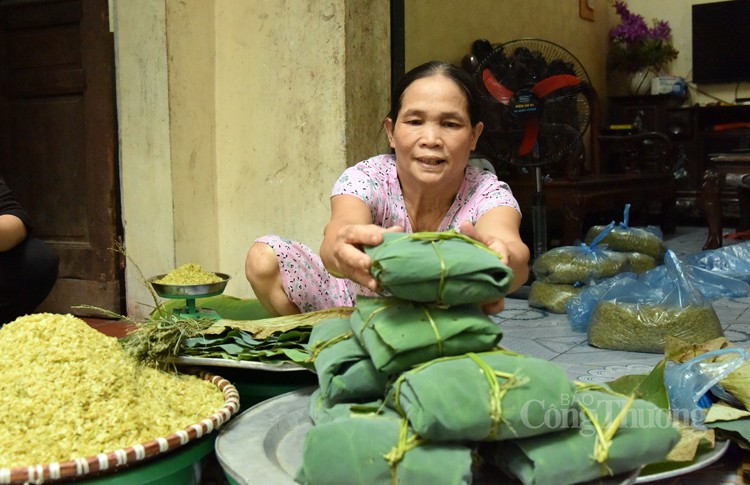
x: 636, y: 46
x: 661, y: 31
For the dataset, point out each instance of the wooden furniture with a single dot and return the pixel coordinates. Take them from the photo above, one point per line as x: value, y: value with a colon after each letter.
x: 698, y: 134
x: 593, y: 186
x: 714, y: 182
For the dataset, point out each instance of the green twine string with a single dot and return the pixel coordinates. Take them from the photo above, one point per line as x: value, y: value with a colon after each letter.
x: 319, y: 347
x: 438, y: 337
x: 405, y: 443
x: 443, y: 273
x: 497, y: 392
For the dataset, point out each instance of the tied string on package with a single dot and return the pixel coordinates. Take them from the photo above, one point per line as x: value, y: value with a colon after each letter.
x: 398, y: 334
x: 446, y: 268
x: 485, y: 396
x: 608, y: 434
x: 379, y: 448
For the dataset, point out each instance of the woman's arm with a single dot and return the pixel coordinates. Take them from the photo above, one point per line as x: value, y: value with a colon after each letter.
x: 499, y: 229
x: 350, y: 228
x: 12, y: 231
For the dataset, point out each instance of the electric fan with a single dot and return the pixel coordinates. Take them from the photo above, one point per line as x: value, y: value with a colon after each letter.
x: 539, y: 108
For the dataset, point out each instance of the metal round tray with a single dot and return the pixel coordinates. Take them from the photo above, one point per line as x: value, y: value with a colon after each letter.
x: 264, y: 444
x: 189, y: 291
x: 281, y: 366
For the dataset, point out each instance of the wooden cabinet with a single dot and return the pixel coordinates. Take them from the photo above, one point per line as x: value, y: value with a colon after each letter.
x: 703, y: 137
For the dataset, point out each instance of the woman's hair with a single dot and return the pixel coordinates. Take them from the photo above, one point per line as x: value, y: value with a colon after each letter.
x: 461, y: 78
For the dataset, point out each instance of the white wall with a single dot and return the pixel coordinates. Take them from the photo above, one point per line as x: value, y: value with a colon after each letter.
x: 233, y: 119
x: 679, y: 15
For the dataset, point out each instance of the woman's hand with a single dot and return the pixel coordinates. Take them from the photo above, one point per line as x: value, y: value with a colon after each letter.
x: 507, y: 248
x: 347, y: 258
x: 492, y: 242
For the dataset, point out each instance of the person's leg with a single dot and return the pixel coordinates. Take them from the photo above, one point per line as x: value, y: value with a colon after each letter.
x: 263, y: 273
x: 287, y: 275
x: 27, y: 274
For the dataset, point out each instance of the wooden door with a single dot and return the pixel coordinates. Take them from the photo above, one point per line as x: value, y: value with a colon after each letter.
x: 58, y: 141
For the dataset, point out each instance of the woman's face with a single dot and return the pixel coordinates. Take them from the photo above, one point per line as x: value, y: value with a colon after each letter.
x: 432, y: 135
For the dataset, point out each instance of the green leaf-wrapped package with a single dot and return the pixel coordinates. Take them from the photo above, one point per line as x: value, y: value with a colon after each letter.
x: 486, y: 396
x: 399, y: 334
x: 344, y: 369
x: 371, y: 449
x: 323, y: 410
x: 645, y: 435
x: 447, y: 268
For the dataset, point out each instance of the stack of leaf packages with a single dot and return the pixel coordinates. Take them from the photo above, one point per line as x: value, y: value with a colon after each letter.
x: 561, y: 273
x: 643, y: 246
x: 432, y: 287
x: 413, y: 384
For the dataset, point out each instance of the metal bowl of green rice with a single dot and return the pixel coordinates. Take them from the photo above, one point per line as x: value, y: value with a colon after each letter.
x: 189, y: 290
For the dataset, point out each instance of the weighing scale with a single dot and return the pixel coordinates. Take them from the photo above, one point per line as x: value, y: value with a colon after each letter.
x: 190, y: 293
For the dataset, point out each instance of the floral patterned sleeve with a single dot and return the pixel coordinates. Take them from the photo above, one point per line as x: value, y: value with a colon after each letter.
x: 374, y: 181
x: 480, y: 192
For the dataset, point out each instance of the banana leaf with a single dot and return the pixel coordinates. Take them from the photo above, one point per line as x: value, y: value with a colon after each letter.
x: 371, y: 449
x: 446, y: 268
x: 263, y: 328
x: 345, y: 371
x: 399, y: 334
x: 323, y: 410
x: 609, y: 434
x: 483, y: 397
x: 235, y: 344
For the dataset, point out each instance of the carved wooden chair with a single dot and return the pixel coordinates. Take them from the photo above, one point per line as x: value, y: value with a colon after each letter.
x: 714, y: 183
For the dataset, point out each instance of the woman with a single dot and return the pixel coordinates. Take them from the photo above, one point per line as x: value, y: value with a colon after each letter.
x: 28, y: 266
x: 426, y: 185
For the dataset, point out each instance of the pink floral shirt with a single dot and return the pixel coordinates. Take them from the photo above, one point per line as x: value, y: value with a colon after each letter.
x: 376, y: 183
x: 307, y: 283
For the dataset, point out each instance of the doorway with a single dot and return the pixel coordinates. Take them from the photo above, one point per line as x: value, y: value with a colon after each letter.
x: 58, y: 142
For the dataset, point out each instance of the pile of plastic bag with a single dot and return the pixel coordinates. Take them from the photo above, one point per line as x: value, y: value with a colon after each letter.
x: 607, y: 251
x: 637, y: 311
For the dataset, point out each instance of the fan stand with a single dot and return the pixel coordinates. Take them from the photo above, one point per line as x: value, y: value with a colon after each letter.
x: 539, y: 216
x: 539, y: 227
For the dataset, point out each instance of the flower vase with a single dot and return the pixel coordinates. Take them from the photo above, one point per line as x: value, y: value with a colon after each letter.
x: 639, y: 82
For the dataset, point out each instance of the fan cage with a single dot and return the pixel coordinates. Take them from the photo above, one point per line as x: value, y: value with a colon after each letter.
x: 563, y: 116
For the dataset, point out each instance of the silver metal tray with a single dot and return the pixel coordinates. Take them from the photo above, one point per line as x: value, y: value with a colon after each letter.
x: 264, y: 444
x: 189, y: 291
x: 285, y: 366
x: 701, y: 461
